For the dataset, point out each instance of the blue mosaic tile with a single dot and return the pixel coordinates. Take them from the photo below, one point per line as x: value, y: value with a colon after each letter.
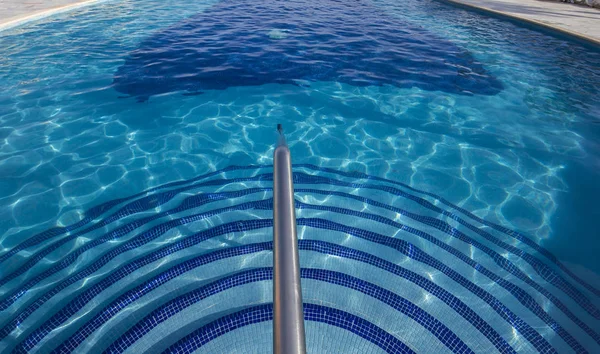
x: 446, y: 228
x: 544, y: 271
x: 96, y: 211
x: 444, y: 334
x: 527, y: 303
x: 137, y: 206
x: 516, y: 235
x: 93, y: 213
x: 76, y: 304
x: 132, y: 295
x: 151, y: 201
x: 140, y: 240
x: 455, y: 303
x: 312, y: 312
x: 411, y: 252
x: 415, y: 253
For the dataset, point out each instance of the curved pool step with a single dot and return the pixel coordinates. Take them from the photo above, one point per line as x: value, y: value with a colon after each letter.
x: 155, y: 200
x: 60, y: 280
x: 72, y: 308
x: 316, y: 313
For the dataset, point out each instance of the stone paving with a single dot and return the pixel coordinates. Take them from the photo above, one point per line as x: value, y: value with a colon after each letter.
x: 14, y: 12
x: 579, y: 20
x: 582, y: 21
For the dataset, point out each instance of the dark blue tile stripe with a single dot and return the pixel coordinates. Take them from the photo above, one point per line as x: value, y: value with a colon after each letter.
x: 544, y: 271
x: 188, y: 203
x: 80, y: 301
x: 514, y: 234
x: 140, y: 205
x: 12, y: 325
x: 416, y: 254
x: 182, y: 302
x: 435, y: 327
x: 198, y: 200
x: 82, y: 275
x: 455, y: 303
x: 93, y: 213
x: 135, y: 242
x: 262, y: 313
x: 442, y: 226
x: 531, y: 335
x: 128, y: 297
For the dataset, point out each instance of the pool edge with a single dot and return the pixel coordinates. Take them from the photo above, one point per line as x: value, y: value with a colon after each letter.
x: 571, y: 35
x: 21, y: 20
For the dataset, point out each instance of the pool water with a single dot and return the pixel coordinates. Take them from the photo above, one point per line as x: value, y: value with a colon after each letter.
x: 446, y: 168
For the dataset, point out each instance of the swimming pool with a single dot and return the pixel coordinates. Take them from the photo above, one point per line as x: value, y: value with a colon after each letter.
x: 445, y: 174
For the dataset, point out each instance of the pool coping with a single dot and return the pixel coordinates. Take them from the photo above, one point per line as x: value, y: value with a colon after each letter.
x: 535, y: 24
x: 38, y: 15
x: 572, y: 35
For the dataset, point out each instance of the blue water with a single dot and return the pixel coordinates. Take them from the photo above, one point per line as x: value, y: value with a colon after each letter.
x: 245, y: 43
x: 479, y: 139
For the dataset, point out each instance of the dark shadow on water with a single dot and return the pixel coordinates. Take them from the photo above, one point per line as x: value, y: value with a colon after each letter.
x: 249, y: 43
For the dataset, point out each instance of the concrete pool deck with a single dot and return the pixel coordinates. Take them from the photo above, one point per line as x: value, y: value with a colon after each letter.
x: 580, y: 21
x: 16, y: 12
x: 576, y: 20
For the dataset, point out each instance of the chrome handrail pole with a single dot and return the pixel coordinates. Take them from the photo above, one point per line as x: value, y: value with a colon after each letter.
x: 288, y: 315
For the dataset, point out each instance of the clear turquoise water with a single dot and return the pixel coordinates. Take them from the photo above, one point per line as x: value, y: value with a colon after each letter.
x: 527, y: 158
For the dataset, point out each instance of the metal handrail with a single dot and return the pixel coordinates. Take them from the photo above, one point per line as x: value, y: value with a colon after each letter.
x: 288, y: 315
